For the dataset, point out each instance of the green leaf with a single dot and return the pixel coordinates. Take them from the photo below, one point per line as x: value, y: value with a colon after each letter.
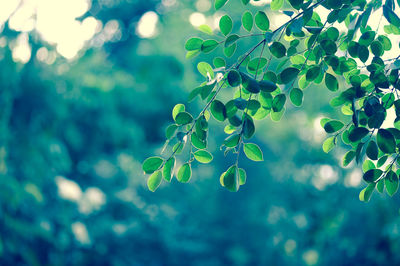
x: 267, y: 86
x: 386, y: 141
x: 205, y: 29
x: 372, y: 175
x: 333, y: 126
x: 367, y: 165
x: 183, y: 118
x: 230, y: 179
x: 184, y: 173
x: 296, y: 96
x: 296, y: 3
x: 288, y: 74
x: 358, y: 133
x: 348, y: 157
x: 232, y: 141
x: 197, y: 142
x: 209, y: 45
x: 276, y: 4
x: 168, y: 169
x: 313, y: 73
x: 245, y: 2
x: 234, y: 78
x: 380, y: 185
x: 225, y: 24
x: 154, y: 181
x: 170, y: 131
x: 277, y: 49
x: 203, y: 156
x: 372, y: 150
x: 231, y: 40
x: 248, y: 127
x: 247, y: 21
x: 331, y: 82
x: 391, y: 17
x: 253, y: 152
x: 205, y: 69
x: 219, y: 62
x: 366, y: 193
x: 262, y: 21
x: 363, y: 53
x: 229, y: 51
x: 242, y: 176
x: 328, y: 144
x: 218, y: 110
x: 377, y: 48
x: 279, y: 102
x: 391, y: 183
x: 177, y: 109
x: 193, y: 44
x: 150, y: 165
x: 219, y: 3
x: 329, y: 46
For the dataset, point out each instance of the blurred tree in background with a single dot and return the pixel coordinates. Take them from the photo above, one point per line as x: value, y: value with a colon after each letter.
x: 83, y: 103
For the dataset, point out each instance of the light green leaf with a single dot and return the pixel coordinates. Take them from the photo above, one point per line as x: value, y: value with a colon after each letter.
x: 184, y: 173
x: 296, y: 96
x: 154, y: 181
x: 203, y: 156
x: 328, y: 144
x: 205, y: 69
x: 177, y: 109
x: 253, y: 152
x: 168, y: 169
x: 276, y: 4
x: 366, y: 193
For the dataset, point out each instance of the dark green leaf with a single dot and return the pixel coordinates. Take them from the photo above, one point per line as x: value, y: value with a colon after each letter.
x: 218, y: 110
x: 358, y: 133
x: 372, y: 150
x: 391, y: 17
x: 234, y: 78
x: 386, y: 141
x: 372, y: 175
x: 277, y: 49
x: 333, y: 126
x: 248, y: 127
x: 267, y: 86
x: 331, y: 82
x: 288, y: 74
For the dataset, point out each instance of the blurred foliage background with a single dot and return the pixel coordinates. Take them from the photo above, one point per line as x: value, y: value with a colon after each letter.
x: 86, y: 89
